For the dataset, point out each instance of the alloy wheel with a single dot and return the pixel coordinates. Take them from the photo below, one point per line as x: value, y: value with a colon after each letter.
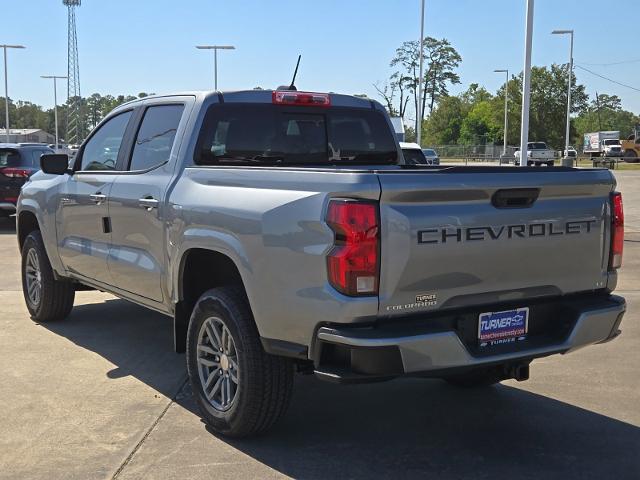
x: 218, y: 367
x: 33, y: 277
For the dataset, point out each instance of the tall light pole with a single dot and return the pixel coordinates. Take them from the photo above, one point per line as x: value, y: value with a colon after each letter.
x: 506, y: 110
x: 566, y: 144
x: 526, y: 84
x: 55, y: 102
x: 6, y: 87
x: 419, y: 112
x: 215, y: 49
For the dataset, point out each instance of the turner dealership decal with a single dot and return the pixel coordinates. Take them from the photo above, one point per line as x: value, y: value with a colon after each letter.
x: 504, y: 232
x: 422, y: 300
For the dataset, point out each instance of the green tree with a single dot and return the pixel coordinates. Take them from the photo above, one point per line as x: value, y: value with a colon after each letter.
x: 481, y: 121
x: 443, y: 126
x: 605, y: 113
x: 548, y: 110
x: 440, y: 62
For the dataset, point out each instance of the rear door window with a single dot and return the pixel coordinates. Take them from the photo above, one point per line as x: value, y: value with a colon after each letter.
x: 155, y: 137
x: 253, y: 134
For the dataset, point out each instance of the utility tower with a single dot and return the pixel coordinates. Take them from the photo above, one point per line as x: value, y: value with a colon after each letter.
x: 75, y: 130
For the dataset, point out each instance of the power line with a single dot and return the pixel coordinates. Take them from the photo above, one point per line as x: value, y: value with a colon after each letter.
x: 612, y: 63
x: 609, y: 79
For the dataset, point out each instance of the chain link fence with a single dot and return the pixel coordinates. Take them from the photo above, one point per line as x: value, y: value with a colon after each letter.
x: 473, y: 152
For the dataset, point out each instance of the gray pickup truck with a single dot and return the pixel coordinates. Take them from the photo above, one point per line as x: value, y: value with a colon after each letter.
x: 282, y: 231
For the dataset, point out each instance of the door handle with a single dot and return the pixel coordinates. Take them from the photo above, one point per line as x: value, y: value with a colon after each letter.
x: 97, y: 198
x: 148, y: 203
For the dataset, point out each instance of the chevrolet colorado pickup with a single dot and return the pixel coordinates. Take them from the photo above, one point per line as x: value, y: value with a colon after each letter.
x: 282, y: 231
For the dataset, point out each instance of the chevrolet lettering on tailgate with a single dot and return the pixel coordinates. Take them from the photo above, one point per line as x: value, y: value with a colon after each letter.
x: 470, y: 234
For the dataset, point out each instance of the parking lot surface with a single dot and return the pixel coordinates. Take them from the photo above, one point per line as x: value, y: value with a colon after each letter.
x: 102, y: 395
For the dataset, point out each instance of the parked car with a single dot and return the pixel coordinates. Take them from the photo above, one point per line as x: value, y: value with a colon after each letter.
x: 431, y: 156
x: 413, y: 154
x: 284, y: 231
x: 537, y: 154
x: 18, y: 161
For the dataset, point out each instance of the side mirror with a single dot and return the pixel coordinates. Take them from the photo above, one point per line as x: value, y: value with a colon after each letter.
x: 54, y: 163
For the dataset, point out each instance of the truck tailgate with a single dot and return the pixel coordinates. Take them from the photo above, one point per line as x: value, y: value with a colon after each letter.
x: 453, y: 239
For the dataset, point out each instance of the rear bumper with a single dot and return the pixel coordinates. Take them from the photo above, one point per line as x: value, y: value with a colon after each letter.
x: 362, y: 354
x: 535, y: 161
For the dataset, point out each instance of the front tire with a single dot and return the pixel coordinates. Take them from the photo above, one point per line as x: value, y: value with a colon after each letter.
x: 630, y: 156
x: 240, y: 389
x: 48, y: 299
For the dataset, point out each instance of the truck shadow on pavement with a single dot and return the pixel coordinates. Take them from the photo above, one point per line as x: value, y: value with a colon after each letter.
x: 136, y: 340
x: 401, y: 429
x: 416, y: 428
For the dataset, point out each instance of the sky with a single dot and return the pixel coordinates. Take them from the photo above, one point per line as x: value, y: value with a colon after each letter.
x: 131, y: 46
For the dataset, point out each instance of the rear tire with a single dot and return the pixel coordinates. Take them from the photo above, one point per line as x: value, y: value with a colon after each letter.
x: 240, y: 389
x: 47, y: 299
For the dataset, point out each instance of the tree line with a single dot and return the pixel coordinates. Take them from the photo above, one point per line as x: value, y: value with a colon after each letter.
x: 476, y: 116
x: 24, y: 114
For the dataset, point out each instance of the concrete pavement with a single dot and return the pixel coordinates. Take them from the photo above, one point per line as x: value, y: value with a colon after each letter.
x: 102, y: 395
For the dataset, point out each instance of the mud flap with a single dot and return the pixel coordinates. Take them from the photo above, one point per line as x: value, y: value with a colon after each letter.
x: 180, y: 326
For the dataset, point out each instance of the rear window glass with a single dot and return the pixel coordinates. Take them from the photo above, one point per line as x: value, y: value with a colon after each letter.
x: 10, y: 158
x: 428, y: 151
x: 414, y: 156
x: 537, y: 146
x: 35, y: 156
x: 251, y: 134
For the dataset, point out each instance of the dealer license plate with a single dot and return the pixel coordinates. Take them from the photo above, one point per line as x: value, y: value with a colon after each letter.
x: 495, y: 328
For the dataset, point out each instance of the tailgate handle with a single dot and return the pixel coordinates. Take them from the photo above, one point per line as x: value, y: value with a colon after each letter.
x: 515, y: 197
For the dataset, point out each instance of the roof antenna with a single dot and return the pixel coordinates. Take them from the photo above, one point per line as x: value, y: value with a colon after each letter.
x: 293, y: 80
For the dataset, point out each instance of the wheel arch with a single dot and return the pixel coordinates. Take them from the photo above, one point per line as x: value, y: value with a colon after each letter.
x: 199, y: 270
x: 203, y: 268
x: 27, y: 222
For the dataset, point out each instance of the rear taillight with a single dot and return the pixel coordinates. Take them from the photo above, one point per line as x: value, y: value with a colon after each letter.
x: 353, y: 263
x: 15, y: 172
x: 288, y: 97
x: 617, y: 231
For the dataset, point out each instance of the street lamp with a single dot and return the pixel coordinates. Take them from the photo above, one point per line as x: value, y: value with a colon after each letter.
x: 6, y: 86
x: 566, y: 158
x: 419, y: 112
x: 55, y: 102
x: 526, y: 84
x: 215, y: 49
x: 506, y: 110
